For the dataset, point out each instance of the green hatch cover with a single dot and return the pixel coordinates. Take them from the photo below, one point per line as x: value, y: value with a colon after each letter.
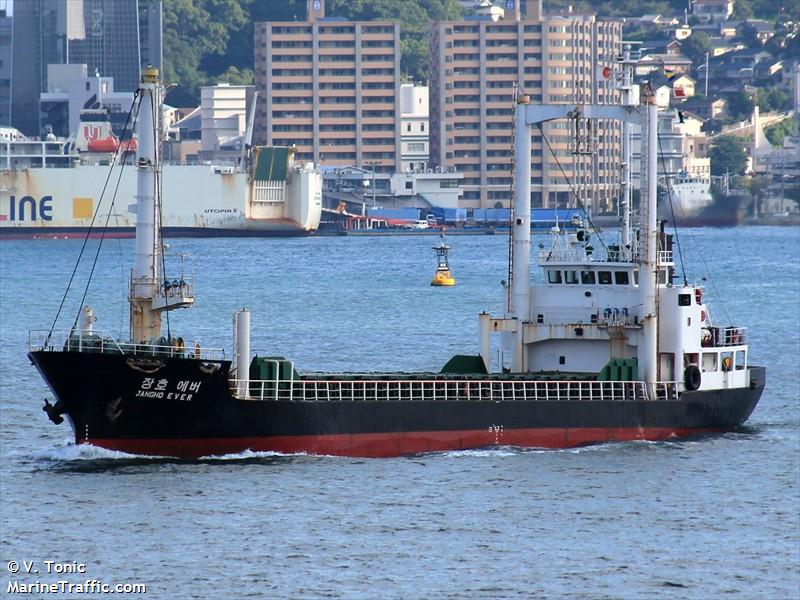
x: 619, y: 369
x: 271, y: 163
x: 271, y: 368
x: 465, y: 364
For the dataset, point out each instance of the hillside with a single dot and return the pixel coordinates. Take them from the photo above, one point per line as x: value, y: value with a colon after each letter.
x: 206, y: 41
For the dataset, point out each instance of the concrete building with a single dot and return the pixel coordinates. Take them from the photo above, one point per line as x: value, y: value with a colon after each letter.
x: 224, y: 109
x: 70, y: 89
x: 331, y: 88
x: 414, y: 127
x: 475, y: 64
x: 112, y: 37
x: 795, y: 87
x: 421, y: 189
x: 712, y: 10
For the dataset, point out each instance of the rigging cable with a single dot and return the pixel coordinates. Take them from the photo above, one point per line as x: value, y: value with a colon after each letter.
x: 669, y: 197
x: 512, y: 195
x: 110, y: 209
x: 571, y: 187
x: 89, y: 230
x: 157, y: 182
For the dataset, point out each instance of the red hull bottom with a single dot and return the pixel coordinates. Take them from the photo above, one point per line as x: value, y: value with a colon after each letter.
x: 383, y: 445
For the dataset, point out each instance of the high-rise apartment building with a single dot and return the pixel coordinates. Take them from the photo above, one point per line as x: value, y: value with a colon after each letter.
x: 475, y: 65
x: 114, y: 38
x: 330, y: 88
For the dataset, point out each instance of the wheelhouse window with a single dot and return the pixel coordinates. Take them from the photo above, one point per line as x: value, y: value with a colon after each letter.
x: 636, y: 277
x: 709, y: 362
x: 571, y: 277
x: 726, y: 361
x: 587, y: 277
x: 554, y: 277
x: 684, y: 299
x: 621, y: 277
x: 604, y: 277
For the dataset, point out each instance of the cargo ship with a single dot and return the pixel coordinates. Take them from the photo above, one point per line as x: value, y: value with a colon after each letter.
x: 611, y: 346
x: 689, y: 201
x: 59, y: 188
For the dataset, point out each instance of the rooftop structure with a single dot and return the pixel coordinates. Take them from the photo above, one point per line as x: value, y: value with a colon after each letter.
x: 70, y: 90
x: 223, y: 114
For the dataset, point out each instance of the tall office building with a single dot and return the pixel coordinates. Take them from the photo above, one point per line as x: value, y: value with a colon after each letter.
x: 330, y: 88
x: 5, y: 68
x: 112, y: 37
x: 475, y: 64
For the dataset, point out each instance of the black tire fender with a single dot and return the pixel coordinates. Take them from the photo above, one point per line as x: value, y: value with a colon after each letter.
x: 692, y: 378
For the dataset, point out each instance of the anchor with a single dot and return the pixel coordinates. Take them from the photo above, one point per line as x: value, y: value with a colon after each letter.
x: 54, y: 411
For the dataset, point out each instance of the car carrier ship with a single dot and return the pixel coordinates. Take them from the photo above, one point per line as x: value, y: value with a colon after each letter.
x: 609, y: 347
x: 55, y: 189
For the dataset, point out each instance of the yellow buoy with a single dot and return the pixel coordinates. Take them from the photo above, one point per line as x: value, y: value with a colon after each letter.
x: 443, y: 276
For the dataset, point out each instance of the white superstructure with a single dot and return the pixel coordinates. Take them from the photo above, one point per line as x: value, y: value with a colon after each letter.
x: 690, y: 195
x: 604, y: 306
x: 50, y: 188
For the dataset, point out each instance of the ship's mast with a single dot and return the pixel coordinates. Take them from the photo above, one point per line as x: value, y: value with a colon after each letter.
x: 148, y: 297
x: 647, y: 349
x: 521, y: 251
x: 145, y: 320
x: 528, y: 114
x: 625, y: 191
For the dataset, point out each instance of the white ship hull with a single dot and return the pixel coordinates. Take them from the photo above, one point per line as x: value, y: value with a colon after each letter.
x: 690, y: 197
x: 198, y: 201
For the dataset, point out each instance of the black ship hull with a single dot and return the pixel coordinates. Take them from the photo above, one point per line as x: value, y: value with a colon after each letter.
x: 184, y: 407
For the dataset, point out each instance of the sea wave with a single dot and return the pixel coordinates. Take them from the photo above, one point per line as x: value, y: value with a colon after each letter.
x: 70, y: 451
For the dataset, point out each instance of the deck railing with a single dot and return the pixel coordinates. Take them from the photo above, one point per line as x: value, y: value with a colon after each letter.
x: 384, y: 390
x: 104, y: 343
x: 732, y: 336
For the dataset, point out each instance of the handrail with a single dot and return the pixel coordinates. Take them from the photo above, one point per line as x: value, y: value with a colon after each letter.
x: 103, y: 342
x: 464, y: 390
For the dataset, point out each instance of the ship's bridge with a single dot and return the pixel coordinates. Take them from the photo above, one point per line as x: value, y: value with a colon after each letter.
x: 587, y: 299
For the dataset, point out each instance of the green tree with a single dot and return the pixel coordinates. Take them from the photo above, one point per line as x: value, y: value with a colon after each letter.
x: 777, y: 132
x: 727, y: 156
x: 194, y: 29
x: 236, y: 76
x: 772, y: 98
x: 696, y: 46
x: 740, y: 106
